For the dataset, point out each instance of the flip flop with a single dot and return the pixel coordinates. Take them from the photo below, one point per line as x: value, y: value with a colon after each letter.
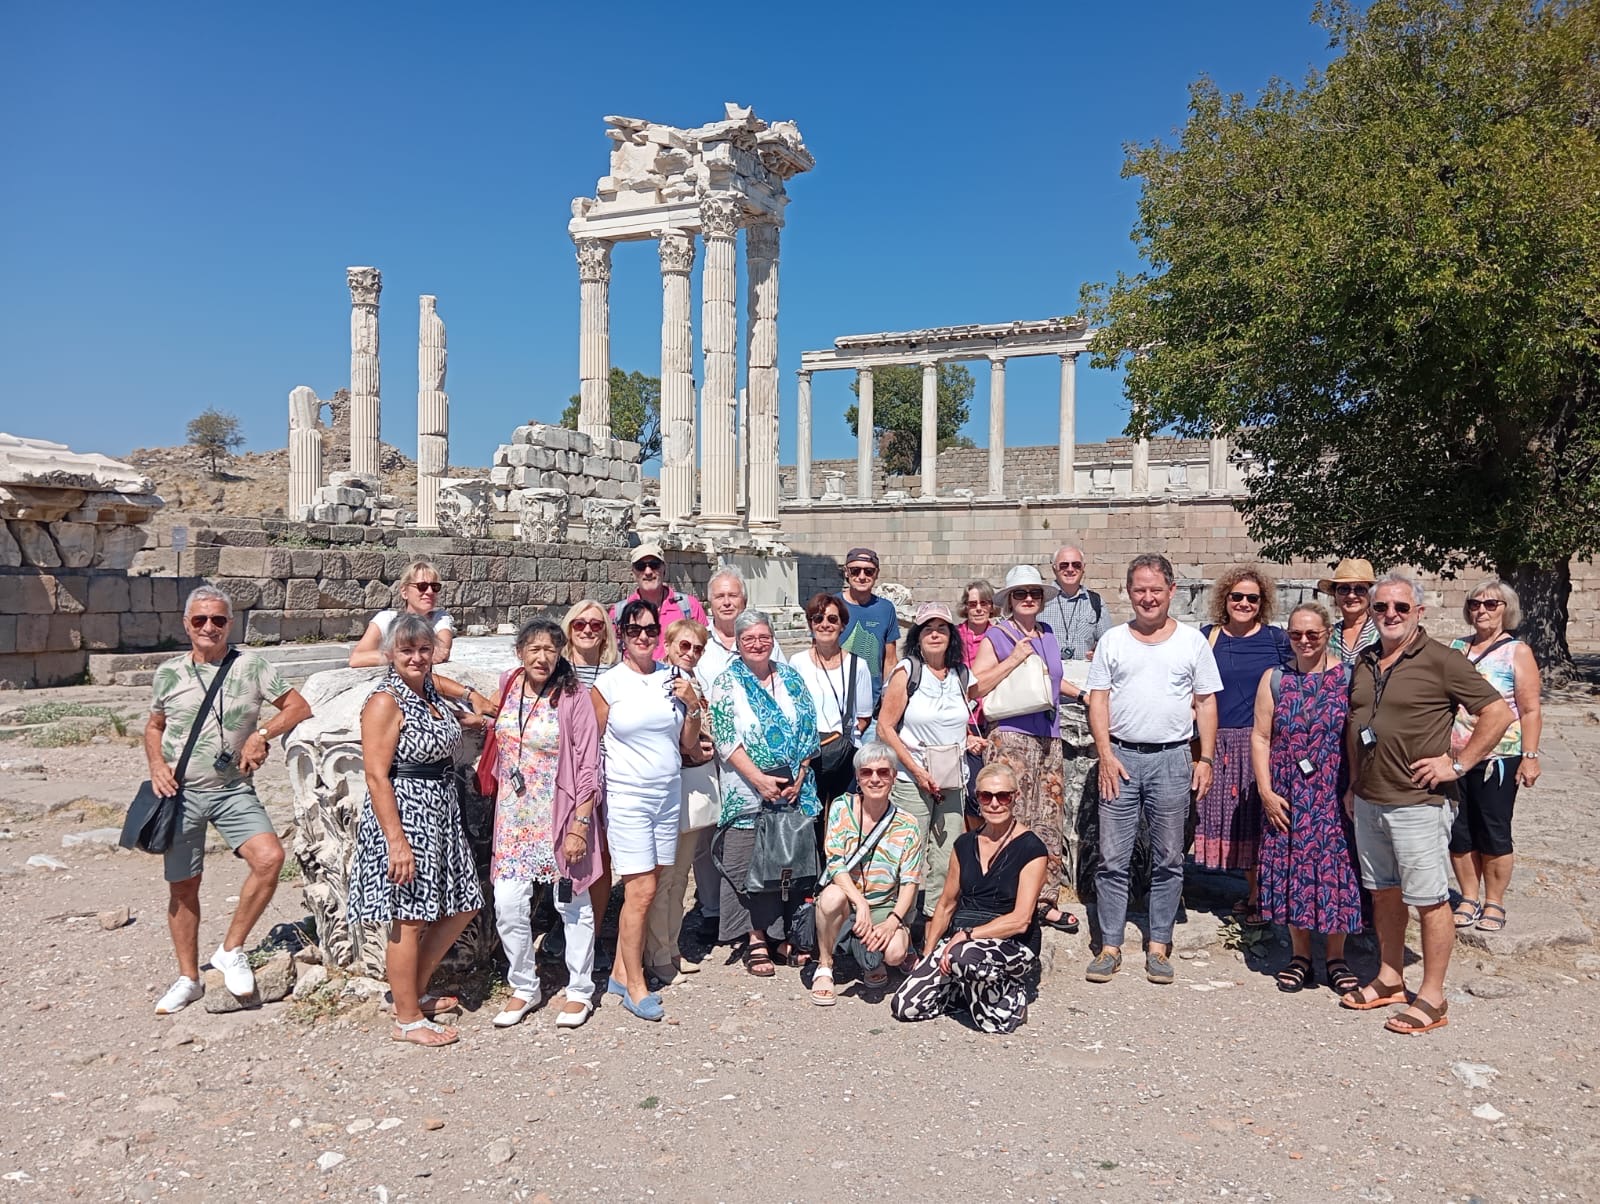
x: 1466, y: 919
x: 425, y: 1033
x: 1489, y: 923
x: 1398, y: 995
x: 1406, y: 1023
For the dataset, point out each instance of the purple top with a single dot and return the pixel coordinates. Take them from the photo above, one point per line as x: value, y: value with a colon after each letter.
x: 1040, y: 723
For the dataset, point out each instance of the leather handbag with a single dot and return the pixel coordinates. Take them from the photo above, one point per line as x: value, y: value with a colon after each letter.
x: 946, y: 764
x: 785, y: 854
x: 1023, y: 691
x: 151, y: 824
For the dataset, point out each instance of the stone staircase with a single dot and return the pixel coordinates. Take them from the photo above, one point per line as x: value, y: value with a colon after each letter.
x: 296, y: 662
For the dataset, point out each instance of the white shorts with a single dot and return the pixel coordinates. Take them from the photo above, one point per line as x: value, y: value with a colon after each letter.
x: 642, y: 833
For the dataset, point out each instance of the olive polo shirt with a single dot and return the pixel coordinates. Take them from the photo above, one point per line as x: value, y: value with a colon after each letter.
x: 1411, y: 715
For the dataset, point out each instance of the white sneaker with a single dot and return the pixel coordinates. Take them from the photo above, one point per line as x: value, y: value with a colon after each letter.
x: 179, y: 996
x: 236, y: 972
x: 509, y: 1016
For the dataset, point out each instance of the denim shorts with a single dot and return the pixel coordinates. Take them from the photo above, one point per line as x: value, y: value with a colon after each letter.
x: 235, y: 812
x: 1406, y: 847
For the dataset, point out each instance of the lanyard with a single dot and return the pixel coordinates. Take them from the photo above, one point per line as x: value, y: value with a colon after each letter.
x: 1380, y: 681
x: 524, y: 712
x: 216, y: 703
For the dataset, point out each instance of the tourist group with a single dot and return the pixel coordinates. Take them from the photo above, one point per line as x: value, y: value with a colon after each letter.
x: 919, y: 806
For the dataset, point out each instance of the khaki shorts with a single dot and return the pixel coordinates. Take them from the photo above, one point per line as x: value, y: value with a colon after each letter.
x: 235, y: 812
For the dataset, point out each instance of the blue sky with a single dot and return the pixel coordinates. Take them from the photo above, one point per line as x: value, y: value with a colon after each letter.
x: 185, y: 185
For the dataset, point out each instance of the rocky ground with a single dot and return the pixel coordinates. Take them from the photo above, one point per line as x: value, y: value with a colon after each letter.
x: 1218, y: 1087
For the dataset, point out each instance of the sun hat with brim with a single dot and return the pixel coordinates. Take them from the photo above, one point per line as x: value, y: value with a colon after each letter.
x: 646, y: 551
x: 1020, y: 577
x: 1349, y: 572
x: 929, y: 612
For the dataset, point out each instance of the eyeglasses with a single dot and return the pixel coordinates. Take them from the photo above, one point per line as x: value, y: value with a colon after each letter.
x: 1236, y: 596
x: 1031, y: 594
x: 1353, y: 591
x: 690, y: 648
x: 1399, y: 608
x: 995, y: 796
x: 649, y: 565
x: 1310, y: 637
x: 588, y: 626
x: 198, y: 622
x: 427, y: 587
x: 636, y: 631
x: 1485, y: 603
x: 828, y: 620
x: 979, y: 603
x: 875, y: 774
x: 755, y: 641
x: 1063, y: 566
x: 862, y: 570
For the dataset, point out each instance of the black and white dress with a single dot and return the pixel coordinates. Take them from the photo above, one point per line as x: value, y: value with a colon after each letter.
x: 446, y: 881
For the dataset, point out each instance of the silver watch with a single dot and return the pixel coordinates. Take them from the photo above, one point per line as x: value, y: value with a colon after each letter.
x: 1460, y: 769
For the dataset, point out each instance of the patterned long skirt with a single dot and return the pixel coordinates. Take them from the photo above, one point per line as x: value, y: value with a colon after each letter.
x: 1227, y: 832
x: 1036, y: 763
x: 987, y: 980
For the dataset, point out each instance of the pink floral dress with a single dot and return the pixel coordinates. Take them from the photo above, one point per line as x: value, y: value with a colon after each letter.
x: 524, y: 821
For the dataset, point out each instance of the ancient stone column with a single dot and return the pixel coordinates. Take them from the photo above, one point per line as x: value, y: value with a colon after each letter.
x: 677, y: 377
x: 720, y: 219
x: 930, y: 430
x: 802, y: 431
x: 866, y: 436
x: 433, y: 412
x: 365, y: 286
x: 305, y: 451
x: 1066, y: 474
x: 741, y: 452
x: 1218, y: 480
x: 997, y: 426
x: 594, y: 337
x: 761, y: 317
x: 1141, y: 467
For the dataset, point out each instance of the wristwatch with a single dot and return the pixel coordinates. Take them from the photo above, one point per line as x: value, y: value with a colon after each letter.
x: 262, y: 732
x: 1531, y: 756
x: 1205, y: 760
x: 1459, y: 768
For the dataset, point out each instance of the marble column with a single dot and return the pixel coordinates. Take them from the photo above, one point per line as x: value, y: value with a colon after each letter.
x: 1141, y: 466
x: 761, y: 354
x: 802, y: 438
x: 1066, y: 466
x: 677, y: 377
x: 930, y: 430
x: 365, y: 286
x: 997, y: 426
x: 594, y: 337
x: 720, y: 219
x: 433, y: 412
x: 1218, y: 480
x: 741, y: 452
x: 866, y: 435
x: 305, y: 451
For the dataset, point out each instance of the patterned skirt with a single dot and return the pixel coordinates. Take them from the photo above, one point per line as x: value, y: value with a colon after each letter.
x: 1228, y: 818
x: 1036, y: 763
x: 446, y: 882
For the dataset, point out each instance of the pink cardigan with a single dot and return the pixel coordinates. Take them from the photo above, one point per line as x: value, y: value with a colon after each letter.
x: 577, y: 780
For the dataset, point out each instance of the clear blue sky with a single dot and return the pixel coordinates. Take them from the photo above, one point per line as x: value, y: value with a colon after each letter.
x: 185, y: 185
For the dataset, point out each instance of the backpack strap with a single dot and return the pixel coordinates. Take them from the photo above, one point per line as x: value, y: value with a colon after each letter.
x: 1097, y: 605
x: 1277, y: 683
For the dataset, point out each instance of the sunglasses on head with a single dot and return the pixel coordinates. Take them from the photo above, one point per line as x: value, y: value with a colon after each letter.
x: 1031, y: 594
x: 690, y: 648
x: 1355, y: 591
x: 635, y: 631
x: 1485, y: 603
x: 588, y: 626
x: 198, y: 622
x: 655, y: 565
x: 1237, y: 596
x: 1063, y: 565
x: 996, y: 796
x: 427, y: 587
x: 1399, y: 608
x: 879, y: 773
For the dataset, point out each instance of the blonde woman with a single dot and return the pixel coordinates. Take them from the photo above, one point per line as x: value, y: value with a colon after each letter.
x: 591, y: 640
x: 420, y: 590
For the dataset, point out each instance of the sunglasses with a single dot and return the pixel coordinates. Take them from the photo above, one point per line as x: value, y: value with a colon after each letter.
x: 690, y: 648
x: 1310, y: 637
x: 1031, y: 594
x: 995, y: 796
x: 199, y: 622
x: 1354, y: 591
x: 650, y: 565
x: 974, y: 603
x: 862, y: 571
x: 877, y: 774
x: 827, y: 620
x: 588, y: 626
x: 1236, y: 596
x: 427, y: 587
x: 636, y: 631
x: 1485, y: 603
x: 1399, y: 608
x: 1064, y: 565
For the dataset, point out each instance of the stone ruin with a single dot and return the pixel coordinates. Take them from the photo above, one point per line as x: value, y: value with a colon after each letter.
x: 65, y: 509
x: 356, y: 498
x: 548, y: 476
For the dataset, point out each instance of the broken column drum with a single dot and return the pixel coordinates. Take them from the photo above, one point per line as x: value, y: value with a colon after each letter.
x: 305, y: 451
x: 433, y: 412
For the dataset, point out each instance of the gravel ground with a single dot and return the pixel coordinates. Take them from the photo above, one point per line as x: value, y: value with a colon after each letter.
x: 1217, y: 1087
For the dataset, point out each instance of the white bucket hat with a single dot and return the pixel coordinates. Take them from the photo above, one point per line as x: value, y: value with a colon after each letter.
x: 1023, y: 575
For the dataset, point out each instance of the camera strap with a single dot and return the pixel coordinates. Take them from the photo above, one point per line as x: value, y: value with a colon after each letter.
x: 213, y: 692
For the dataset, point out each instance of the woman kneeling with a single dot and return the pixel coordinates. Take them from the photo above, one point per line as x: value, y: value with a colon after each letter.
x: 989, y: 910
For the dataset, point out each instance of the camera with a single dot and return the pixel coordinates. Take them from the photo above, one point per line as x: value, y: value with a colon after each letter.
x: 223, y: 761
x: 1367, y: 736
x: 518, y: 782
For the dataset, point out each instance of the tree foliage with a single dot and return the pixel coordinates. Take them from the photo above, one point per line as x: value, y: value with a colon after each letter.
x: 216, y: 434
x: 897, y: 413
x: 635, y: 411
x: 1385, y: 285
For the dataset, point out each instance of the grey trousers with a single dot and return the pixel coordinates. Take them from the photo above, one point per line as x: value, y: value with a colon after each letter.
x: 757, y: 911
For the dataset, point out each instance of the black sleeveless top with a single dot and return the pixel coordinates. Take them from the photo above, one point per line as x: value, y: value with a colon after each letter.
x: 986, y: 896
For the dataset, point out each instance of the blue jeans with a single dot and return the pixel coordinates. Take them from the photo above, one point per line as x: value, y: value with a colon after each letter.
x: 1157, y: 790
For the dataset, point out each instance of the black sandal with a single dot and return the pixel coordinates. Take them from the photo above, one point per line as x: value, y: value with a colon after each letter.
x: 1341, y: 977
x: 1065, y: 922
x: 1296, y: 975
x: 758, y: 961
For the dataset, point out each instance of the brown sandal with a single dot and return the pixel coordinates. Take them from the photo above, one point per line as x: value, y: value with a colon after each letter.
x: 1408, y: 1024
x: 1393, y: 995
x: 758, y: 962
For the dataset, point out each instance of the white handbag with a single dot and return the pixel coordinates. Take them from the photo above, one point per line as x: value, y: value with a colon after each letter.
x: 1023, y: 691
x: 702, y: 797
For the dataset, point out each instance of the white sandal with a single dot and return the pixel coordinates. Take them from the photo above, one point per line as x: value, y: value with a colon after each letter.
x: 402, y: 1032
x: 823, y: 1000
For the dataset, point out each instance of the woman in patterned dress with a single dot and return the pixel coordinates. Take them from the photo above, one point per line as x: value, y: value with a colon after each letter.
x: 413, y: 868
x: 547, y: 822
x: 1308, y: 877
x: 983, y: 939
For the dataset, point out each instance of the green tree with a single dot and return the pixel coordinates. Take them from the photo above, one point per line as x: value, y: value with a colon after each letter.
x: 216, y: 434
x: 897, y: 413
x: 635, y: 411
x: 1385, y: 285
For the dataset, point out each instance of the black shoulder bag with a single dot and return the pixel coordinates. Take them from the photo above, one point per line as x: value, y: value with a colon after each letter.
x: 802, y: 932
x: 152, y: 821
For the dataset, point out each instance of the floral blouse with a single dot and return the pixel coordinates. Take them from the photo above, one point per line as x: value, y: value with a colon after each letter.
x: 776, y: 729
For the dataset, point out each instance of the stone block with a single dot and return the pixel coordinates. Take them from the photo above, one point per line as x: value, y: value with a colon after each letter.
x: 623, y: 449
x: 164, y: 594
x: 332, y: 514
x: 500, y: 474
x: 101, y: 633
x: 241, y: 562
x: 65, y: 633
x: 75, y: 542
x: 517, y: 456
x: 595, y: 466
x: 343, y: 626
x: 139, y: 631
x: 300, y: 595
x: 1536, y: 923
x: 305, y: 563
x: 141, y: 595
x: 334, y: 565
x: 580, y: 443
x: 523, y: 434
x: 360, y: 517
x: 272, y: 594
x: 172, y: 629
x: 378, y: 596
x: 60, y: 668
x: 347, y: 532
x: 300, y: 625
x: 33, y: 633
x: 108, y: 594
x: 262, y: 627
x: 341, y: 595
x: 207, y: 562
x: 28, y: 594
x: 16, y: 672
x: 368, y: 566
x: 8, y: 636
x: 522, y: 568
x: 244, y: 592
x: 277, y: 562
x: 10, y: 550
x: 38, y: 549
x: 364, y: 482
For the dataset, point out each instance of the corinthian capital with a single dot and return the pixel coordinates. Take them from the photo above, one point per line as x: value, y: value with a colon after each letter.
x: 594, y: 260
x: 721, y: 216
x: 677, y: 252
x: 365, y: 285
x: 761, y: 240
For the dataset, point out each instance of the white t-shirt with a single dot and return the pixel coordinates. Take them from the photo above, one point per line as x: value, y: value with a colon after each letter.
x: 830, y: 688
x: 936, y: 713
x: 641, y: 741
x: 1152, y: 686
x: 441, y: 621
